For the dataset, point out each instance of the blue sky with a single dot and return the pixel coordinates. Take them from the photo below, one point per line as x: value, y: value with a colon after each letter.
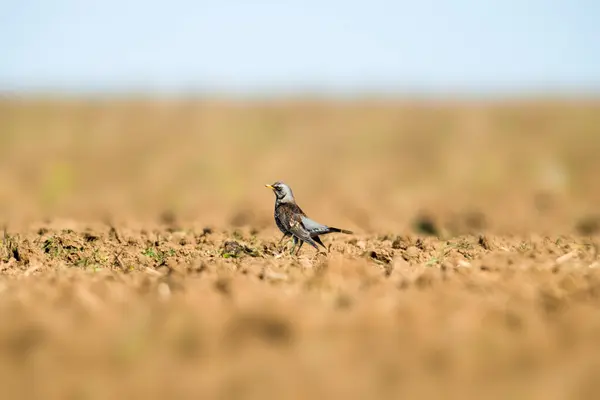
x: 282, y: 45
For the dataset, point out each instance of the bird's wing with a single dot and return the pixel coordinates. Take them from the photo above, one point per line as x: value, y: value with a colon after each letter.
x: 313, y: 227
x: 298, y: 230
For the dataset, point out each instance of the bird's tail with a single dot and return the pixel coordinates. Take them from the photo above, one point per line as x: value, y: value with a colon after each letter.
x: 331, y: 229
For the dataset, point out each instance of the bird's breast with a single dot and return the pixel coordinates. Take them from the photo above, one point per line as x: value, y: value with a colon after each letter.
x: 278, y: 220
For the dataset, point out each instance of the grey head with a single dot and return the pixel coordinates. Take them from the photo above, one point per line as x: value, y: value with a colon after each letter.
x: 283, y: 192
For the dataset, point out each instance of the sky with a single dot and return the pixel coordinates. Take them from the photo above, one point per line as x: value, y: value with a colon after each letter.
x: 335, y: 46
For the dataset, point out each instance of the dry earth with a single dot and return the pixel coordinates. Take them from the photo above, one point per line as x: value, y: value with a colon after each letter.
x: 138, y: 257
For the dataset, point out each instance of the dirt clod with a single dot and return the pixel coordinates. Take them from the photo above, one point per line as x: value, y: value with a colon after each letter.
x: 589, y: 225
x: 401, y: 243
x: 426, y: 225
x: 484, y: 242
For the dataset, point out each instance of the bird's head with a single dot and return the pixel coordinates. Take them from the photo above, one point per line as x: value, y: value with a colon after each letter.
x: 282, y: 192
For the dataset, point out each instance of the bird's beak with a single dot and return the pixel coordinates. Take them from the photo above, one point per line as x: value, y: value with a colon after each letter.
x: 270, y: 187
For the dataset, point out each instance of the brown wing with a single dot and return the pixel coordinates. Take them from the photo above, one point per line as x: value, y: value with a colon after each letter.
x: 295, y: 208
x: 291, y: 216
x: 287, y: 212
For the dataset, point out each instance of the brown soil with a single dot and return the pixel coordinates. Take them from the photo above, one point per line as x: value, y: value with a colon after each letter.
x: 138, y: 257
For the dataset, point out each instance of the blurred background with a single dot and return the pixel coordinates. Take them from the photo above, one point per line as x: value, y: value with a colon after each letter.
x: 373, y: 112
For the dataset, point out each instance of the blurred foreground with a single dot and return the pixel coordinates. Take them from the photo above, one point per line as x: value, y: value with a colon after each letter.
x: 138, y: 257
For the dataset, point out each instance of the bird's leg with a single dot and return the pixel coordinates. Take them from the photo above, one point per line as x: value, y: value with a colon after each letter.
x: 281, y: 240
x: 294, y: 246
x: 299, y: 247
x: 285, y: 235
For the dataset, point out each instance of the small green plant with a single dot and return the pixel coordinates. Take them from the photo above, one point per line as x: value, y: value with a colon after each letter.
x: 84, y: 262
x: 524, y: 247
x: 441, y: 256
x: 52, y: 247
x: 233, y: 249
x: 464, y: 244
x: 11, y: 247
x: 433, y: 261
x: 159, y: 256
x: 150, y: 252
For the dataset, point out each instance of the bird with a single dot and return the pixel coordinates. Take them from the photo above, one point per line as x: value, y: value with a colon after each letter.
x: 292, y: 221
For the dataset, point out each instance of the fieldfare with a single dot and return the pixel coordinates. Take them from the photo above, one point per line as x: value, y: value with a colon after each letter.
x: 292, y: 221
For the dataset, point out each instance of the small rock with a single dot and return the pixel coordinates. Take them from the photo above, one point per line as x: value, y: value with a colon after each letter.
x: 401, y: 243
x: 446, y: 266
x: 232, y: 248
x: 412, y: 252
x: 380, y: 256
x: 179, y: 238
x: 164, y: 291
x: 484, y: 242
x: 275, y: 276
x: 564, y: 258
